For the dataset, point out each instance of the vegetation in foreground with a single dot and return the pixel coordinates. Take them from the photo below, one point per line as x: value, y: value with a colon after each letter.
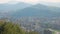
x: 11, y: 28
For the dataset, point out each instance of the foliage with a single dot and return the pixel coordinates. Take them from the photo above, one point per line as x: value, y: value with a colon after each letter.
x: 11, y: 28
x: 33, y: 32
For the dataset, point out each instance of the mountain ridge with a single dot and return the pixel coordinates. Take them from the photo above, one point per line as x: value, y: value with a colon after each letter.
x: 38, y: 10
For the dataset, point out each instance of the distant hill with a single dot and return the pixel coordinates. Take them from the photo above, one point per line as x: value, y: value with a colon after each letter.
x: 6, y: 9
x: 38, y: 10
x: 13, y: 7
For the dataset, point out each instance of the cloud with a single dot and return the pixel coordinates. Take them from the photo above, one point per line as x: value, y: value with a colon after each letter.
x: 54, y: 1
x: 30, y: 1
x: 34, y: 1
x: 4, y: 1
x: 27, y: 1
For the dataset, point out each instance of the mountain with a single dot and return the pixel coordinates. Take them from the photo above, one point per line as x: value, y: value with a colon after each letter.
x: 51, y: 4
x: 7, y: 8
x: 38, y: 10
x: 13, y: 7
x: 23, y: 9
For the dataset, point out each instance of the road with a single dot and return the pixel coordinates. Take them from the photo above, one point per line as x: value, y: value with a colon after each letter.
x: 56, y: 32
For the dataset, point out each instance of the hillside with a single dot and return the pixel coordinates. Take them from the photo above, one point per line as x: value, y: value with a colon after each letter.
x: 13, y: 7
x: 38, y: 10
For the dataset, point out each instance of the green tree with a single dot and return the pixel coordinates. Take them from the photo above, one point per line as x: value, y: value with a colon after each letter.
x: 10, y: 28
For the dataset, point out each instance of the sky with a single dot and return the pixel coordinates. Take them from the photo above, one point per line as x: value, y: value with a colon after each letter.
x: 31, y: 1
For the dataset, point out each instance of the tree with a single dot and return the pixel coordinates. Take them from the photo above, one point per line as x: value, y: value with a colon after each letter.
x: 10, y: 28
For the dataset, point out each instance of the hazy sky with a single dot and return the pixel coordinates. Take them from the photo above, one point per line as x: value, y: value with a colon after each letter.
x: 30, y: 1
